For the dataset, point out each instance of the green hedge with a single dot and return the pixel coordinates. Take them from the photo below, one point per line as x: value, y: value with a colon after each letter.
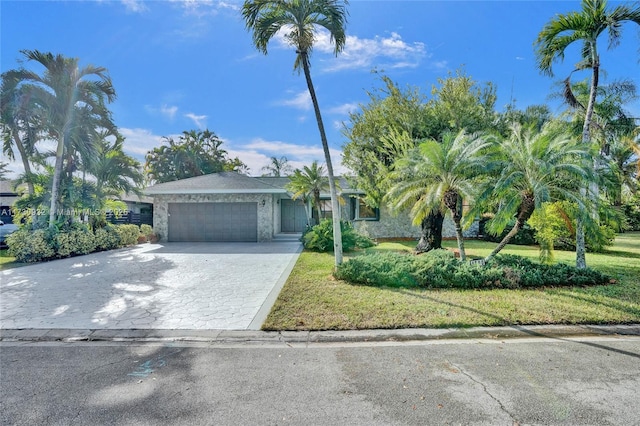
x: 440, y: 269
x: 45, y: 244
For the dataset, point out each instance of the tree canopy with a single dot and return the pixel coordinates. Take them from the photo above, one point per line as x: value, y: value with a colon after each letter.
x: 194, y: 153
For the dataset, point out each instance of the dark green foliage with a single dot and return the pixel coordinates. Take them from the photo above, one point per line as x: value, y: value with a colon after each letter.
x: 631, y: 210
x: 320, y: 237
x: 524, y: 237
x: 70, y: 240
x: 440, y: 269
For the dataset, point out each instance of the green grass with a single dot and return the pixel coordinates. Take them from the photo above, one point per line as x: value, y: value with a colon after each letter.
x: 6, y: 261
x: 313, y: 300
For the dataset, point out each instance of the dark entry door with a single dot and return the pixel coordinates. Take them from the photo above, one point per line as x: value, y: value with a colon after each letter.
x: 294, y: 215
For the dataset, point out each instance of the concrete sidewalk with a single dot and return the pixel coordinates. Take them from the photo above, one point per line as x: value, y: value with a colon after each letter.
x: 254, y: 337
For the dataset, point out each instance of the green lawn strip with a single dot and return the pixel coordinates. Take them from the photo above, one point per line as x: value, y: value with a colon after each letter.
x: 313, y: 300
x: 7, y: 261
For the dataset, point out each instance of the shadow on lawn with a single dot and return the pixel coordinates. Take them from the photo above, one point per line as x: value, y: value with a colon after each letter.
x: 507, y: 323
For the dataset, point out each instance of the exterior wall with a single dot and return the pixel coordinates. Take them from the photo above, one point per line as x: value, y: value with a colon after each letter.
x: 265, y: 212
x: 400, y: 226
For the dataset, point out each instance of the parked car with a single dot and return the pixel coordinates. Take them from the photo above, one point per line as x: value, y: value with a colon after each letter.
x: 6, y: 229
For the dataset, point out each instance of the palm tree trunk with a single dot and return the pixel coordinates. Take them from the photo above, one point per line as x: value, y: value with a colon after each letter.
x: 25, y: 160
x: 505, y: 240
x: 581, y: 261
x: 316, y: 201
x: 57, y: 172
x: 431, y: 233
x: 450, y: 200
x: 335, y: 207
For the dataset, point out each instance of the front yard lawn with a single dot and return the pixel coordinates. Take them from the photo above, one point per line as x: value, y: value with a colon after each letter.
x: 313, y: 300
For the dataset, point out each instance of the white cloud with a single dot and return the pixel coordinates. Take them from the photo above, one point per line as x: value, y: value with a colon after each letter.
x: 169, y: 111
x: 300, y: 100
x: 139, y: 141
x: 519, y: 58
x: 199, y: 120
x: 136, y: 6
x: 358, y: 53
x: 344, y: 109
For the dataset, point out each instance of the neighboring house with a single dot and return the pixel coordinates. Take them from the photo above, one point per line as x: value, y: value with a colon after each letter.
x: 7, y: 197
x: 139, y: 210
x: 229, y: 206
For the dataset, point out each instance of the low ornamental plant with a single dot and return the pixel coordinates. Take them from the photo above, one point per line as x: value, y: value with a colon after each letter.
x: 440, y: 269
x: 320, y: 237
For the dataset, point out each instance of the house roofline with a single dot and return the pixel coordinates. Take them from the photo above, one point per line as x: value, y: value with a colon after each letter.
x: 215, y: 191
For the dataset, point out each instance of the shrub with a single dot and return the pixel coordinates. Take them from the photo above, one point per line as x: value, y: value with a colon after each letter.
x: 107, y: 238
x: 77, y: 239
x: 146, y: 230
x: 320, y: 237
x: 440, y: 269
x: 31, y: 246
x: 128, y: 234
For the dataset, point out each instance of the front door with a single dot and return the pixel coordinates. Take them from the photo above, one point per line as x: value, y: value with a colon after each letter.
x: 294, y: 215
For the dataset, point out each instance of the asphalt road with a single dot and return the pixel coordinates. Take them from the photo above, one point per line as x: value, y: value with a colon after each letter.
x: 586, y: 381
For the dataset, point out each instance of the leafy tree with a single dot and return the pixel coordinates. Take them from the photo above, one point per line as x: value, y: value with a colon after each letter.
x: 309, y: 183
x: 437, y: 175
x: 195, y: 153
x: 533, y: 167
x: 74, y: 100
x: 584, y: 28
x: 300, y: 20
x: 277, y: 167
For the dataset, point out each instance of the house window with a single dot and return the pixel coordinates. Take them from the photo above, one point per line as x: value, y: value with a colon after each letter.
x: 325, y: 210
x: 361, y: 211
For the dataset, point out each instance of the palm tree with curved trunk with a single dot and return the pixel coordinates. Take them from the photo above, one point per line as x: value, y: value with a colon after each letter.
x: 300, y: 20
x: 75, y: 100
x: 18, y: 122
x: 584, y: 27
x: 438, y: 175
x: 534, y: 167
x: 309, y: 183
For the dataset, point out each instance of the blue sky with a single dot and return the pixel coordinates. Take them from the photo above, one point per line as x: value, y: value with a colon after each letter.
x: 182, y: 65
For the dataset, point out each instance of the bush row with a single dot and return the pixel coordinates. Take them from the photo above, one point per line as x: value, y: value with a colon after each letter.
x: 320, y: 237
x: 77, y: 239
x: 440, y: 269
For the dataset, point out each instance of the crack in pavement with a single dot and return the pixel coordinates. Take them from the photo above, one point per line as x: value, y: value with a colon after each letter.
x: 516, y: 422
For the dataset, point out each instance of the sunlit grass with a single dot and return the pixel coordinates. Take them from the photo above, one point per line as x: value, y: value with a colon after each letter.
x: 313, y: 300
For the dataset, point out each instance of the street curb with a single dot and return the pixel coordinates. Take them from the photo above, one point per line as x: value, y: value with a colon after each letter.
x: 289, y: 338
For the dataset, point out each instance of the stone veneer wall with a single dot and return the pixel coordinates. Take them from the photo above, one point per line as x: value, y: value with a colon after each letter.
x: 400, y: 226
x: 265, y: 213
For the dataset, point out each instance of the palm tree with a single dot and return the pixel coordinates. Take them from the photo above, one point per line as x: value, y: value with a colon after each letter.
x: 18, y: 117
x: 583, y: 27
x: 436, y: 175
x: 309, y: 183
x: 534, y: 167
x: 277, y: 167
x: 74, y: 104
x: 300, y: 20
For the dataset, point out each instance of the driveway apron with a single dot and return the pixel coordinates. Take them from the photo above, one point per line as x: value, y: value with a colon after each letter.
x: 195, y: 286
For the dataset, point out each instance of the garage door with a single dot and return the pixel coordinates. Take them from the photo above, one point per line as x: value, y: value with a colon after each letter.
x: 213, y: 222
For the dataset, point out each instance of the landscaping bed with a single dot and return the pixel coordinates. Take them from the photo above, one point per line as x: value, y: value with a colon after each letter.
x: 312, y: 299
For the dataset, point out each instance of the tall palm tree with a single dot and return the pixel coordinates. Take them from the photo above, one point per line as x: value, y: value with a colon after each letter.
x: 309, y: 183
x: 18, y: 122
x: 534, y: 167
x: 75, y: 103
x: 300, y: 20
x: 583, y: 27
x: 436, y: 175
x: 277, y: 167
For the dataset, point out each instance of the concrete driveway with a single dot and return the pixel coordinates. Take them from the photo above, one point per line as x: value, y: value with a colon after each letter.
x: 196, y: 286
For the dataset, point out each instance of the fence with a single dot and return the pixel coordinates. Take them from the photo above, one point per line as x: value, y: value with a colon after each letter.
x: 130, y: 218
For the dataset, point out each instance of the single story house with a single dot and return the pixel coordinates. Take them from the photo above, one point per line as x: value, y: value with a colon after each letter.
x: 229, y: 206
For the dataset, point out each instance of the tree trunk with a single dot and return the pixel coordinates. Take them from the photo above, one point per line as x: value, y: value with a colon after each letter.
x: 451, y: 201
x: 581, y: 261
x: 57, y: 172
x: 525, y: 210
x: 335, y: 206
x: 431, y: 233
x: 316, y: 201
x: 25, y: 160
